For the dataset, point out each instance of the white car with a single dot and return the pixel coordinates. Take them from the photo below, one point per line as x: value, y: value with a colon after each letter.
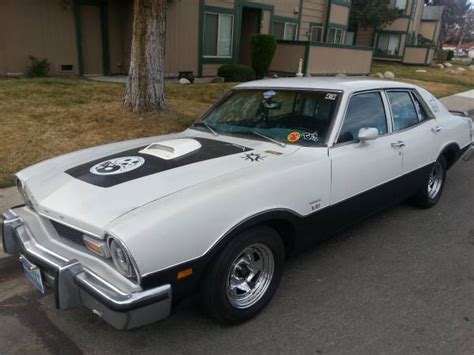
x: 130, y: 229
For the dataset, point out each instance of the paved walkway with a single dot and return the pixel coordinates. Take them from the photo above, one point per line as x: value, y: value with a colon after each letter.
x: 122, y: 79
x: 463, y: 101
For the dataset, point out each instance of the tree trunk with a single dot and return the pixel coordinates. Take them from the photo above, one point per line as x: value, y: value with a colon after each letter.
x: 146, y: 77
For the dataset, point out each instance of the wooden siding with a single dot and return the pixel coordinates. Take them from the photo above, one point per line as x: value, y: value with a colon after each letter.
x: 365, y: 37
x: 182, y: 37
x: 210, y: 69
x: 44, y: 29
x: 400, y: 24
x: 429, y: 30
x: 339, y: 15
x: 219, y: 3
x: 313, y: 12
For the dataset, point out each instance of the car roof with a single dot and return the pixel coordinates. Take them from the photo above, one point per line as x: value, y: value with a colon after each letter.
x: 347, y: 84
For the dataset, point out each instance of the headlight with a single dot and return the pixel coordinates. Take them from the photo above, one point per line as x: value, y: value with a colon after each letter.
x: 122, y: 260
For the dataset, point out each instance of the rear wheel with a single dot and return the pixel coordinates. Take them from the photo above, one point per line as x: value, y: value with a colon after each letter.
x: 245, y: 276
x: 430, y: 193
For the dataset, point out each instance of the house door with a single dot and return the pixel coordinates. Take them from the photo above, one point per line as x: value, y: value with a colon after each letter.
x: 91, y: 28
x: 251, y: 18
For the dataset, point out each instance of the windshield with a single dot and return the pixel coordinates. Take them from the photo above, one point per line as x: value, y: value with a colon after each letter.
x: 286, y: 116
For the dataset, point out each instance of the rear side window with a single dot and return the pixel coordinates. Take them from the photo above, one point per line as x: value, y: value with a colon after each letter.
x: 364, y: 111
x: 403, y: 109
x: 419, y: 108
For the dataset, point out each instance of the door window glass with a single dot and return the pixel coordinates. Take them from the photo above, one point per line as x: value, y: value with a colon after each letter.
x: 364, y: 111
x: 419, y: 107
x: 403, y: 110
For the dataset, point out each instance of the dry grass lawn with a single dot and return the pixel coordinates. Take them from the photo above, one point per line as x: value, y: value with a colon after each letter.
x: 438, y: 81
x: 42, y: 118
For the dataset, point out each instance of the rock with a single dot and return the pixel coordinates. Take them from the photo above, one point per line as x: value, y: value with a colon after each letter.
x: 471, y: 67
x: 184, y: 81
x: 450, y: 71
x: 460, y: 71
x: 388, y: 75
x: 378, y: 75
x: 448, y: 65
x: 420, y: 71
x: 217, y: 79
x: 440, y: 66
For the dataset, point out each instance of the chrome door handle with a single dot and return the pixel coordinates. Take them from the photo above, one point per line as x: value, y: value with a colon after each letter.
x: 398, y: 144
x: 436, y: 129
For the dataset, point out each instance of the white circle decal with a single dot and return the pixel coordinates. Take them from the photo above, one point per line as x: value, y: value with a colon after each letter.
x: 117, y: 166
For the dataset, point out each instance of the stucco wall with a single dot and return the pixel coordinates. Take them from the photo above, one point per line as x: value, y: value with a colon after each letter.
x: 414, y: 55
x: 333, y: 60
x: 287, y: 57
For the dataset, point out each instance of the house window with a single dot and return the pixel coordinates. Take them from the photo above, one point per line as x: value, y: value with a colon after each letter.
x: 284, y: 30
x: 398, y: 4
x: 388, y: 44
x: 336, y: 35
x: 218, y: 35
x: 316, y: 33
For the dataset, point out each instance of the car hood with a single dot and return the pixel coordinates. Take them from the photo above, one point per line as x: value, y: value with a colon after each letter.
x: 91, y: 188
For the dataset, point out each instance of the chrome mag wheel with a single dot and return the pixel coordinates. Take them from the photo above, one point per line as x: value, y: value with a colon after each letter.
x: 250, y: 276
x: 435, y: 180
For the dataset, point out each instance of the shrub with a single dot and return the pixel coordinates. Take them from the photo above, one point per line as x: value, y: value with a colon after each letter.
x: 236, y: 72
x: 442, y: 55
x: 38, y: 67
x: 263, y: 49
x: 450, y: 55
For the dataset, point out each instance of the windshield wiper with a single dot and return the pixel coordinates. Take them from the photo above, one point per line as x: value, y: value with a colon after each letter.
x: 203, y: 123
x: 281, y: 144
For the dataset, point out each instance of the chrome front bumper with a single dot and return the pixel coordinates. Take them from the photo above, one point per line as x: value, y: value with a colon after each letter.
x: 75, y: 285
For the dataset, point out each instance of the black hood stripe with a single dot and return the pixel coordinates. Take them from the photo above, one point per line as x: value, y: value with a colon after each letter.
x: 210, y: 149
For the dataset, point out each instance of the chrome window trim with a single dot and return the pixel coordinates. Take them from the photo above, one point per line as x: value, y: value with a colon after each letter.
x: 387, y: 120
x: 391, y: 112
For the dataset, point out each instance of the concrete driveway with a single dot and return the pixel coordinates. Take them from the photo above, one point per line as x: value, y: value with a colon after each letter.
x: 400, y: 282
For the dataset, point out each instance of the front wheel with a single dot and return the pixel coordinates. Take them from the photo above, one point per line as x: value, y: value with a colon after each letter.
x: 245, y: 276
x: 430, y: 193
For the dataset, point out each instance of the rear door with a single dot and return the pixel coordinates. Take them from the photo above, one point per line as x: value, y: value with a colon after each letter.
x: 416, y: 132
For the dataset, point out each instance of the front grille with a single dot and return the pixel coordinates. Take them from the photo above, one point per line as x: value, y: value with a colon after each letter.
x: 68, y: 233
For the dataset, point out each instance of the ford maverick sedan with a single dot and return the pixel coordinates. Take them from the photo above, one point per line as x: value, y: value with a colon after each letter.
x: 131, y: 229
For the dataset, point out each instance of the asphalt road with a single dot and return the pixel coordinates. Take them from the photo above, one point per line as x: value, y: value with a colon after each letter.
x: 400, y: 282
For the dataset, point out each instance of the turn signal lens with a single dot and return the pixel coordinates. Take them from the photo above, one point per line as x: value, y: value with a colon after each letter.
x: 184, y: 273
x: 97, y: 247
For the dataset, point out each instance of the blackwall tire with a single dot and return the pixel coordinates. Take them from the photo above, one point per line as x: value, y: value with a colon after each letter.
x: 244, y: 277
x: 432, y: 189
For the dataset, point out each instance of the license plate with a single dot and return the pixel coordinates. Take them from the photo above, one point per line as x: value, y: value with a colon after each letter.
x: 32, y: 273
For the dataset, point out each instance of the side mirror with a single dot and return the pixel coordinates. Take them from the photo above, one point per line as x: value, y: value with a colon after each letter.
x: 367, y: 134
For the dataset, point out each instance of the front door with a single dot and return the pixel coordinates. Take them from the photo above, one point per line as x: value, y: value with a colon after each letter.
x: 362, y: 171
x: 251, y: 18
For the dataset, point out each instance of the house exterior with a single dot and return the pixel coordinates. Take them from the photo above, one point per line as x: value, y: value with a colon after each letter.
x: 410, y: 39
x: 93, y: 37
